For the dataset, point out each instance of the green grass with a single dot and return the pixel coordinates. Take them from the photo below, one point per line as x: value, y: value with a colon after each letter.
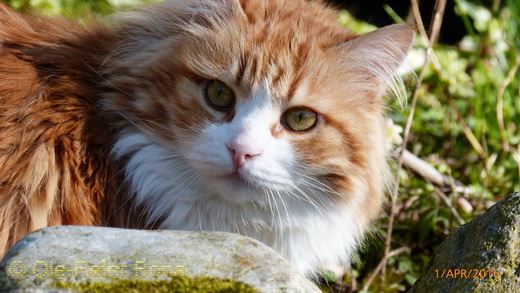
x: 74, y: 9
x: 475, y: 83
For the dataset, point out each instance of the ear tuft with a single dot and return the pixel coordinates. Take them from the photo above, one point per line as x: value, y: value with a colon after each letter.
x: 386, y: 47
x: 377, y: 55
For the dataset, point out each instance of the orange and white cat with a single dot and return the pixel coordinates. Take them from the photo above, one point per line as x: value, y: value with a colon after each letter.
x: 258, y: 117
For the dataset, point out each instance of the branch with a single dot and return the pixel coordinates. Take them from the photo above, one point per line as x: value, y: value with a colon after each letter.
x: 424, y: 169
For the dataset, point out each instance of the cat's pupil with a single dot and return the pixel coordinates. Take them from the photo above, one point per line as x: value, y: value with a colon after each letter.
x: 219, y: 95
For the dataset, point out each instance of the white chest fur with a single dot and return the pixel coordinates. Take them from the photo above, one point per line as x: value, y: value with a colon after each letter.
x: 303, y: 224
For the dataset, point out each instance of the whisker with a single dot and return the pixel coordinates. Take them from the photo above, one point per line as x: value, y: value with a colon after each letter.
x: 321, y: 186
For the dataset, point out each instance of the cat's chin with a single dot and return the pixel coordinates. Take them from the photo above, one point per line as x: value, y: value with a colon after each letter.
x: 234, y: 187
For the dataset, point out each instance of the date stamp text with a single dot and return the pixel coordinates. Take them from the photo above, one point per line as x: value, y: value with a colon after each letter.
x: 467, y: 274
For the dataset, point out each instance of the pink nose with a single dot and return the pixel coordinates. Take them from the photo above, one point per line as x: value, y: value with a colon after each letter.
x: 241, y: 153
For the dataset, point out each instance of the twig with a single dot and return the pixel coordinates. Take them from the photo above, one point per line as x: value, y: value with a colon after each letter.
x: 450, y: 206
x: 381, y: 264
x: 393, y: 209
x: 424, y: 169
x: 500, y: 102
x: 432, y: 175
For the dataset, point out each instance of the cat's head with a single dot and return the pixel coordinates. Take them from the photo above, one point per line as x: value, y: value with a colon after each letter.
x: 260, y: 99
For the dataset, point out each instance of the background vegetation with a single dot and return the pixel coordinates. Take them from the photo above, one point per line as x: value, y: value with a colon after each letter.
x: 463, y: 118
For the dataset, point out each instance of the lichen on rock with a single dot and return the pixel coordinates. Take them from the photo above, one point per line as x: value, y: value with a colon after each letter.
x: 175, y: 284
x: 480, y: 256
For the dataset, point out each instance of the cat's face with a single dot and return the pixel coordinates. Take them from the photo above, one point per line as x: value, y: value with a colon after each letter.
x: 261, y: 100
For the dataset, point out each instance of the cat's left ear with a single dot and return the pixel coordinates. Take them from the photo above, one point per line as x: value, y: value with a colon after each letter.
x: 378, y: 54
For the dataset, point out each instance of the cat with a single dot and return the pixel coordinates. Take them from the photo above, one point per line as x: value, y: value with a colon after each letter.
x: 258, y: 117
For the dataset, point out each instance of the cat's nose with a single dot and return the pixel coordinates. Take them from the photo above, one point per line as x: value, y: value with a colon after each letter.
x: 242, y: 153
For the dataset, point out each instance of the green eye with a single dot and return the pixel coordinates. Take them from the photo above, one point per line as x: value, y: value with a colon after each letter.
x: 219, y: 95
x: 299, y: 119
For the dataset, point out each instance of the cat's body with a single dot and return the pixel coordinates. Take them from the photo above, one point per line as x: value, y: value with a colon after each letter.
x: 262, y: 118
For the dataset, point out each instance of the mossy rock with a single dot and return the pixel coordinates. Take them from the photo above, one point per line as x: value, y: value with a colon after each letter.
x: 480, y: 256
x: 176, y: 284
x: 97, y: 259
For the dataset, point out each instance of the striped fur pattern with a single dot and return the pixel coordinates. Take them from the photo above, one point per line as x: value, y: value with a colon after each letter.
x: 111, y: 125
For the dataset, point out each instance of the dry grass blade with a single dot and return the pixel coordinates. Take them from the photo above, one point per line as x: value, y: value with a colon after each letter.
x: 447, y: 201
x: 516, y: 156
x: 440, y: 7
x: 467, y: 131
x: 383, y: 263
x: 425, y: 38
x: 500, y: 103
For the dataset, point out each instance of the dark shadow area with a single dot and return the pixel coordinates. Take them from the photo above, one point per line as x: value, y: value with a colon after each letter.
x: 373, y: 12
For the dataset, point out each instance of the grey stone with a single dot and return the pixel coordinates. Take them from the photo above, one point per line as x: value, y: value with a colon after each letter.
x: 77, y: 254
x: 480, y: 256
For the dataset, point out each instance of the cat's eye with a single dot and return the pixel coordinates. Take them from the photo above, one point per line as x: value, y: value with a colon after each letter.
x: 300, y: 119
x: 219, y: 95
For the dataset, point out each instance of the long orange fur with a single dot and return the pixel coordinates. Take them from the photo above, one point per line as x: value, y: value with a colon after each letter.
x: 62, y: 82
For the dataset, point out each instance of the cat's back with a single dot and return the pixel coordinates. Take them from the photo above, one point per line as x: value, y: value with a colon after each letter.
x: 46, y: 103
x: 33, y: 53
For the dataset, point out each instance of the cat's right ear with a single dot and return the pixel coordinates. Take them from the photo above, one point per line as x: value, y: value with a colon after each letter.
x: 376, y: 56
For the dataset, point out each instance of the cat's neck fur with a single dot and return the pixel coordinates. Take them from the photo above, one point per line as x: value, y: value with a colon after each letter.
x: 321, y: 228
